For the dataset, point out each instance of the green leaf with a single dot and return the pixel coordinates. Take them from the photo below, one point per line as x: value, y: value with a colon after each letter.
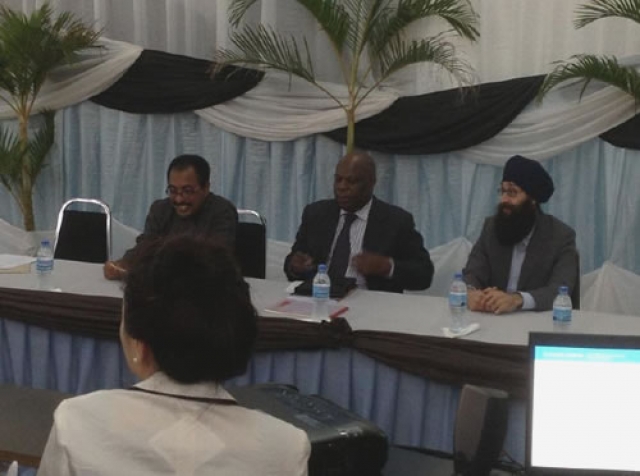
x: 10, y: 160
x: 458, y: 13
x: 369, y: 15
x: 399, y: 53
x: 237, y: 9
x: 353, y: 28
x: 41, y: 143
x: 587, y: 68
x: 332, y: 18
x: 598, y: 9
x: 262, y: 46
x: 31, y: 46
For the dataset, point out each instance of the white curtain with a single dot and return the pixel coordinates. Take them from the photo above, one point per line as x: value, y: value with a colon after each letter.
x: 563, y: 121
x: 95, y: 70
x: 518, y: 37
x: 122, y: 158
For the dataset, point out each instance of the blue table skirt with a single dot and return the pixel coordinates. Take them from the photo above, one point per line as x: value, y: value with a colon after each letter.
x: 411, y: 410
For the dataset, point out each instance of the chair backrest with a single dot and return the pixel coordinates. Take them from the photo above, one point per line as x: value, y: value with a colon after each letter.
x: 251, y: 244
x: 9, y: 468
x: 83, y: 235
x: 575, y: 292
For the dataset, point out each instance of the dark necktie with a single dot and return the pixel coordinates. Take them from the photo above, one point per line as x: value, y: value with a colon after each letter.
x: 342, y: 250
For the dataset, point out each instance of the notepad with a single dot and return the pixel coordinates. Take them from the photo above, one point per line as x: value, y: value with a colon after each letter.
x: 302, y: 308
x: 15, y: 264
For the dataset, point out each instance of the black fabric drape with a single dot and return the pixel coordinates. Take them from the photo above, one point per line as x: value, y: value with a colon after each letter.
x: 444, y: 121
x: 626, y: 135
x: 161, y: 82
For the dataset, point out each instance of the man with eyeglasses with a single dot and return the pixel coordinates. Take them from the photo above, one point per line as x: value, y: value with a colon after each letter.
x: 190, y: 207
x: 523, y: 254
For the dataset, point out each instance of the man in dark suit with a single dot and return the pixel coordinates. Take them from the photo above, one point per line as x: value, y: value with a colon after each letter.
x: 523, y: 255
x: 190, y: 208
x: 360, y: 236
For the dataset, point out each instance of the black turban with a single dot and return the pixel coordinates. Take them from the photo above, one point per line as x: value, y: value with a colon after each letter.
x: 530, y: 176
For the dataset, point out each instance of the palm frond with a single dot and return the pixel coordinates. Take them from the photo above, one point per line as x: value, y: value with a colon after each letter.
x: 332, y: 18
x: 598, y: 9
x: 33, y: 45
x: 458, y: 13
x: 41, y: 143
x: 400, y: 53
x: 364, y: 15
x: 587, y: 68
x: 263, y: 46
x: 11, y: 155
x: 237, y: 9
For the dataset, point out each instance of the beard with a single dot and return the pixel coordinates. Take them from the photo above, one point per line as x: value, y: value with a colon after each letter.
x: 511, y: 228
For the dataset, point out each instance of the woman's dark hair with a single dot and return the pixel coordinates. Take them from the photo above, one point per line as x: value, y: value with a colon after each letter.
x: 186, y: 299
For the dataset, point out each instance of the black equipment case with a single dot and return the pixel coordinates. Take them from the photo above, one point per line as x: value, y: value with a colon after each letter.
x: 342, y: 443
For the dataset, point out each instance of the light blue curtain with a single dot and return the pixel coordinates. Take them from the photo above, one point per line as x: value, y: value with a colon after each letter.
x: 411, y: 410
x: 122, y: 159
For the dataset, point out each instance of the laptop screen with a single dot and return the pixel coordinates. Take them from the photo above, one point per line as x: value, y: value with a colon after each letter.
x: 584, y: 404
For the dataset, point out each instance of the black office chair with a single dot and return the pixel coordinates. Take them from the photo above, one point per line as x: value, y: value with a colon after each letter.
x: 83, y: 235
x: 251, y: 244
x: 575, y: 292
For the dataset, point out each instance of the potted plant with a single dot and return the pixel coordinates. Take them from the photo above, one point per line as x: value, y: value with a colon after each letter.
x: 31, y: 46
x: 358, y: 30
x: 593, y: 67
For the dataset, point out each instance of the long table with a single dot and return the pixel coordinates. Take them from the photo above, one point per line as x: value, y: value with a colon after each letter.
x: 387, y: 360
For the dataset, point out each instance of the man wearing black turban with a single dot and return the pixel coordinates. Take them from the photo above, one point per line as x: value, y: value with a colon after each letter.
x: 523, y: 255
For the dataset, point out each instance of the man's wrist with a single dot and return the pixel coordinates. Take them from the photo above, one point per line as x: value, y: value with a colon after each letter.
x: 518, y: 300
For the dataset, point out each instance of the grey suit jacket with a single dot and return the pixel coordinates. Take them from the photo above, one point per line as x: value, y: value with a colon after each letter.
x: 550, y: 262
x: 390, y: 232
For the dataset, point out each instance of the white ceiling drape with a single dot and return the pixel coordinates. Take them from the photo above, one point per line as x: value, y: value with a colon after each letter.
x: 518, y: 37
x: 559, y: 123
x: 96, y: 70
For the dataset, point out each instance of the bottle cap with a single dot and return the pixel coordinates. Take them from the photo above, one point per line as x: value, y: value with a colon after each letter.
x: 322, y: 268
x: 457, y: 275
x: 564, y: 290
x: 45, y: 242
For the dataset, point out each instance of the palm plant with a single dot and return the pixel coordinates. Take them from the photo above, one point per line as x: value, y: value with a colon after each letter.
x: 31, y: 46
x: 358, y: 30
x: 607, y: 69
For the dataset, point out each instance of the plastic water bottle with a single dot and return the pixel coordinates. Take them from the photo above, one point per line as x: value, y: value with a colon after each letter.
x: 562, y: 306
x: 321, y: 292
x: 44, y: 265
x: 458, y: 303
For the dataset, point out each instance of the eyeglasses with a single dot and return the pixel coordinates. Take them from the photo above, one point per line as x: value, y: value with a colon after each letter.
x: 184, y: 191
x: 509, y: 192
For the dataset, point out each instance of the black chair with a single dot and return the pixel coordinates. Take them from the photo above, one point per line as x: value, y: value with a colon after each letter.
x: 575, y: 292
x: 251, y: 244
x: 83, y: 235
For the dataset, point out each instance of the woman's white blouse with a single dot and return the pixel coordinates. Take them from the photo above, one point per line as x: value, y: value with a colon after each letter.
x: 125, y: 432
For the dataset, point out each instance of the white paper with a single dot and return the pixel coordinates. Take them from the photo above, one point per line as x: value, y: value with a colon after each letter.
x: 474, y: 326
x: 12, y: 261
x: 292, y: 286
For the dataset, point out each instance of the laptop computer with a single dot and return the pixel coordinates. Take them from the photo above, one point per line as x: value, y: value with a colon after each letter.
x: 583, y: 413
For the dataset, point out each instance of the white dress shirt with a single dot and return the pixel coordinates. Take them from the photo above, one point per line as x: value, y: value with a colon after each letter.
x: 134, y: 433
x: 517, y: 258
x: 356, y: 235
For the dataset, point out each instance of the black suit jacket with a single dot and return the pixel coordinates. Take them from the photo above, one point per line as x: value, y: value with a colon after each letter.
x: 390, y: 232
